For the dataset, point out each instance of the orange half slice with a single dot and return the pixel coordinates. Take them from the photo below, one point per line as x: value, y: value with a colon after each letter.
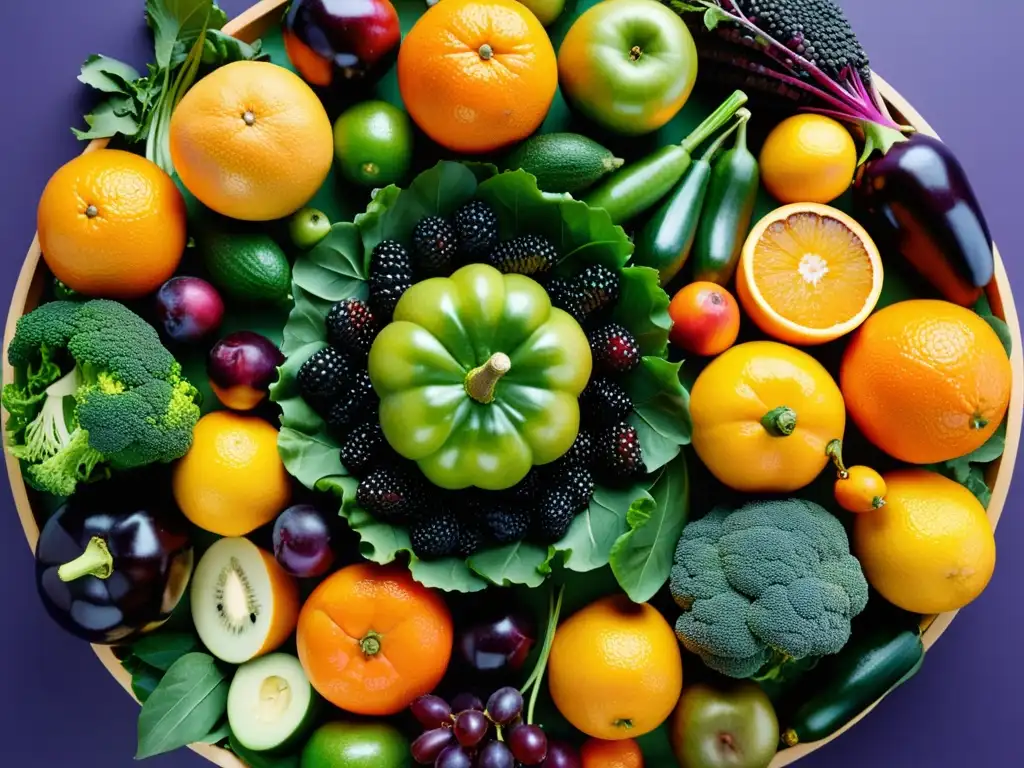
x: 809, y: 273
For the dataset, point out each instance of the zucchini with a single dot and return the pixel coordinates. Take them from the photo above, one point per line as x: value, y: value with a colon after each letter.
x: 846, y: 684
x: 564, y: 162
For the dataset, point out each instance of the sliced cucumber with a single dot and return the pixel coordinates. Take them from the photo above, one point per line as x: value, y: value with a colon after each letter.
x: 271, y: 704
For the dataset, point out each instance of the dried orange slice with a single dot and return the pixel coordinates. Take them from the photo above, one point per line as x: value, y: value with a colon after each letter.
x: 809, y: 273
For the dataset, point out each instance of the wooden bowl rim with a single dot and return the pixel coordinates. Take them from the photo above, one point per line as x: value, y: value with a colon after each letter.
x: 250, y: 25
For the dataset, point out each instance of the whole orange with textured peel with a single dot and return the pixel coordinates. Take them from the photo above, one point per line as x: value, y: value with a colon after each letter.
x: 926, y: 380
x: 808, y: 274
x: 111, y: 224
x: 615, y: 670
x: 477, y: 75
x: 598, y: 753
x: 372, y: 639
x: 252, y: 141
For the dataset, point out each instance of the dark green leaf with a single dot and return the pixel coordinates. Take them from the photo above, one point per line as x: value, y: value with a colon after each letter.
x: 960, y: 468
x: 188, y: 703
x: 342, y: 486
x: 589, y: 542
x: 219, y: 733
x: 162, y: 649
x: 642, y: 558
x: 145, y: 678
x: 263, y: 759
x: 976, y: 484
x: 305, y: 321
x: 309, y: 458
x: 110, y: 117
x: 661, y: 410
x: 982, y: 306
x: 174, y: 20
x: 450, y: 574
x: 295, y: 412
x: 218, y: 49
x: 1002, y: 331
x: 334, y: 269
x: 108, y: 75
x: 643, y: 310
x: 517, y: 563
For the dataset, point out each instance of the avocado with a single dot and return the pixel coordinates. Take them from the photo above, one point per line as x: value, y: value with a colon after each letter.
x: 247, y: 265
x: 564, y: 162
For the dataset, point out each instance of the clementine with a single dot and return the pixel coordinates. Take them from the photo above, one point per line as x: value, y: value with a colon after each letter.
x: 598, y: 753
x: 926, y: 380
x: 372, y: 639
x: 477, y: 75
x: 252, y: 141
x: 112, y: 224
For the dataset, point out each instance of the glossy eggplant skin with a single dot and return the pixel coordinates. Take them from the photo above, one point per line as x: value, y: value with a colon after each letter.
x: 147, y: 550
x: 917, y: 200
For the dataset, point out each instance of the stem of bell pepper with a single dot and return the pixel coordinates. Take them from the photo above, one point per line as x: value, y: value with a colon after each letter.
x: 779, y: 422
x: 370, y: 644
x: 834, y: 450
x: 95, y: 561
x: 481, y: 381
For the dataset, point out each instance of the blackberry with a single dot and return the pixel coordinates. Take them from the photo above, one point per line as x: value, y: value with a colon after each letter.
x: 554, y: 515
x: 614, y: 349
x: 507, y: 523
x: 579, y: 482
x: 434, y: 246
x: 391, y: 275
x: 580, y: 453
x: 364, y: 448
x: 471, y: 537
x: 619, y: 453
x: 351, y: 326
x: 324, y: 377
x: 530, y: 255
x: 563, y: 295
x: 604, y: 401
x: 392, y: 495
x: 355, y: 404
x: 528, y: 489
x: 435, y: 536
x: 597, y: 288
x: 476, y: 227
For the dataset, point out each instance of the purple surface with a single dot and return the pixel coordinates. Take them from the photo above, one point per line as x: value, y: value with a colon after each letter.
x: 964, y: 707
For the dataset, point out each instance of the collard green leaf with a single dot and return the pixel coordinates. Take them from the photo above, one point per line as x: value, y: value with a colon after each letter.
x: 960, y: 468
x: 342, y: 486
x: 174, y: 20
x: 643, y: 310
x: 1002, y: 331
x: 449, y: 574
x: 189, y: 702
x: 309, y: 458
x: 642, y: 558
x: 594, y: 532
x: 661, y: 410
x: 518, y: 563
x: 305, y: 321
x: 295, y: 412
x: 108, y: 75
x: 334, y: 269
x: 162, y: 649
x: 976, y: 484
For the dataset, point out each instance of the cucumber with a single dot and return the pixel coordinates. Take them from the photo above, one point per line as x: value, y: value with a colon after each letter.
x: 849, y: 682
x: 564, y: 162
x: 271, y: 704
x: 246, y: 266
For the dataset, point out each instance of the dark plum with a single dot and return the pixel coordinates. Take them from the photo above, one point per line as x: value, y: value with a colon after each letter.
x: 302, y: 541
x: 337, y: 42
x: 431, y: 711
x: 188, y: 309
x: 501, y: 643
x: 241, y: 367
x: 429, y: 744
x: 529, y: 744
x: 562, y: 754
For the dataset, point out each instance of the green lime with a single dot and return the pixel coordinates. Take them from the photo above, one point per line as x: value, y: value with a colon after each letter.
x: 373, y: 143
x: 356, y: 745
x: 308, y: 227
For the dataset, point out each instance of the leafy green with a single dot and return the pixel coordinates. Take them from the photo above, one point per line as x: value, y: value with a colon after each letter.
x: 661, y: 410
x: 969, y: 470
x: 643, y: 310
x: 641, y: 559
x: 335, y: 269
x: 188, y: 704
x: 145, y: 678
x: 220, y: 733
x: 518, y: 563
x: 1002, y: 331
x: 162, y: 649
x: 296, y: 413
x: 593, y: 533
x: 309, y: 458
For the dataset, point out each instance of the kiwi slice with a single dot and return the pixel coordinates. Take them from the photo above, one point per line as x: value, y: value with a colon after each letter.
x: 271, y: 704
x: 244, y: 604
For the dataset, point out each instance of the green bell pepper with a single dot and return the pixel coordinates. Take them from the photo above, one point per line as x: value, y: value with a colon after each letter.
x: 479, y: 378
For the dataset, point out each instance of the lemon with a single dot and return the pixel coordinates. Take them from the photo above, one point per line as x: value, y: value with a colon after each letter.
x: 808, y: 159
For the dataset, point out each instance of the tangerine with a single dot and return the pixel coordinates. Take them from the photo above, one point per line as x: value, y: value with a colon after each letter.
x: 598, y: 753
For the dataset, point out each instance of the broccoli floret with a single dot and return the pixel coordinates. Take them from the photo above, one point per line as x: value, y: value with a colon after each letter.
x: 123, y: 403
x: 772, y: 582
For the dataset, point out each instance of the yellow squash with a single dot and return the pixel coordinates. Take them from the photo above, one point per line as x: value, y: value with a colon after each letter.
x: 763, y: 415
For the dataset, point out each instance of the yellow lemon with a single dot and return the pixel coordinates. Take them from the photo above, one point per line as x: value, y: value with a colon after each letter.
x: 808, y: 159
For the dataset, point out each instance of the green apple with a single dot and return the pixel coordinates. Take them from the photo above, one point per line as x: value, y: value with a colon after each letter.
x: 546, y: 11
x: 628, y: 65
x: 356, y: 745
x: 732, y: 725
x: 373, y: 144
x: 308, y: 227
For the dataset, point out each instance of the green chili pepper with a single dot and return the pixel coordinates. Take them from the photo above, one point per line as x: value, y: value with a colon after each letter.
x: 636, y: 187
x: 665, y: 241
x: 729, y: 207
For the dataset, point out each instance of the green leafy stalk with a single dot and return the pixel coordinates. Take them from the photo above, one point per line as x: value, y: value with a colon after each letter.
x: 532, y: 685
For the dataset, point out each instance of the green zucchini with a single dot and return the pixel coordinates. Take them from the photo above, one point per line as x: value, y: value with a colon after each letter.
x: 851, y: 681
x: 732, y: 195
x: 564, y: 162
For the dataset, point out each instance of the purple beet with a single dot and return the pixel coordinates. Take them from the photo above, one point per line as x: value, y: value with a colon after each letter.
x: 188, y: 309
x: 241, y: 367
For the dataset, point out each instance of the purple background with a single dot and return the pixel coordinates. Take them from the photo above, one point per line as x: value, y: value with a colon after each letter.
x: 965, y: 707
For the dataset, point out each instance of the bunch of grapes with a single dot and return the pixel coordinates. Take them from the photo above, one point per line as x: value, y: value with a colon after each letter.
x: 468, y: 734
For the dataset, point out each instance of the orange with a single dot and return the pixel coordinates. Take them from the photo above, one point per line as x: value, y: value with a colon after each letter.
x: 808, y: 274
x: 931, y: 548
x: 477, y: 75
x: 808, y: 159
x: 615, y: 669
x: 252, y: 141
x: 705, y: 319
x: 597, y: 753
x: 372, y: 639
x: 232, y: 480
x: 926, y: 380
x: 112, y: 224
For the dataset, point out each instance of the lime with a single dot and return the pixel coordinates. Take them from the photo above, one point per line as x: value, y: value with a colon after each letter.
x: 356, y: 745
x: 373, y: 143
x: 308, y: 227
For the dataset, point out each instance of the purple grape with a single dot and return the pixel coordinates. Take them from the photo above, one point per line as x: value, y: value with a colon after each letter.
x: 188, y: 309
x: 430, y: 744
x: 494, y: 754
x: 529, y: 744
x: 561, y: 754
x: 496, y: 645
x: 465, y: 701
x: 454, y: 757
x: 302, y: 541
x: 471, y: 727
x: 505, y: 705
x: 431, y: 711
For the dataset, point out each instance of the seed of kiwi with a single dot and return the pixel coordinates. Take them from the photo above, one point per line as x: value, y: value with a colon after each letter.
x: 233, y: 589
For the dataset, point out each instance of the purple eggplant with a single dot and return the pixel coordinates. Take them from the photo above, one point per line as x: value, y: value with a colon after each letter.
x: 113, y: 562
x: 916, y: 200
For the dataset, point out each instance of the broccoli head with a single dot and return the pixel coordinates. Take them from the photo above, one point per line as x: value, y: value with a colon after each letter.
x: 94, y: 391
x: 771, y: 582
